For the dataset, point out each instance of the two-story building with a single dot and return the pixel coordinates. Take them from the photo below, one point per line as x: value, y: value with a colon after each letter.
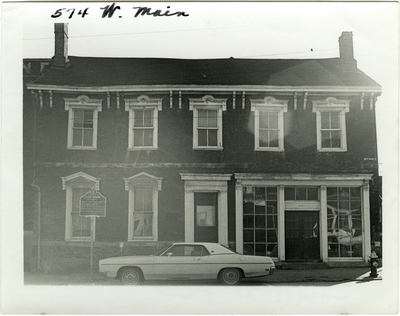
x: 271, y: 157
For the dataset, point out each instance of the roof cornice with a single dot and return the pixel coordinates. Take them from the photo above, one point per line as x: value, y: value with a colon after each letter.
x: 215, y: 88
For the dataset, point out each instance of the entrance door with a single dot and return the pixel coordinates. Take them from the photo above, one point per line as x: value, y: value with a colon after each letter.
x: 206, y: 216
x: 302, y: 235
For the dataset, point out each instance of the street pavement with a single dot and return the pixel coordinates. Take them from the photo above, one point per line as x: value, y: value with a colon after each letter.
x: 327, y: 276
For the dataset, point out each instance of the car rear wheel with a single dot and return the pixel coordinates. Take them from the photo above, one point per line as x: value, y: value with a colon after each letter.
x: 230, y: 276
x: 131, y: 276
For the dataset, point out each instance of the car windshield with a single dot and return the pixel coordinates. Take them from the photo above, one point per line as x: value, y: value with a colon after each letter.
x: 162, y: 250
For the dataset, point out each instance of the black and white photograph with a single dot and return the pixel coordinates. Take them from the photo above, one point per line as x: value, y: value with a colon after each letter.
x: 200, y: 158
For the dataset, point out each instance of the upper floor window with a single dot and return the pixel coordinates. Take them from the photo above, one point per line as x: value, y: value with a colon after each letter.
x: 82, y: 122
x: 207, y: 122
x: 268, y: 125
x: 77, y: 228
x: 331, y: 124
x: 143, y: 206
x: 143, y: 122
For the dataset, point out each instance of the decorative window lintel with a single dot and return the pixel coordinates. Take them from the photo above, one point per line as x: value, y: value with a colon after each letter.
x: 141, y: 179
x: 207, y: 100
x: 87, y: 177
x: 330, y: 104
x: 143, y: 101
x: 83, y: 100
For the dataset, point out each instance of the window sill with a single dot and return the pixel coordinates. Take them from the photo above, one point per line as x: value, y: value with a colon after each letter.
x: 332, y: 150
x: 142, y: 148
x: 82, y: 148
x: 208, y: 148
x: 269, y: 149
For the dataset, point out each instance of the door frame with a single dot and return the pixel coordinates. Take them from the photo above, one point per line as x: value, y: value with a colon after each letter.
x: 200, y: 182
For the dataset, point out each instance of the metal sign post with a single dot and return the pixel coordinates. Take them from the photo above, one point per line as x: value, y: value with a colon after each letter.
x: 92, y: 205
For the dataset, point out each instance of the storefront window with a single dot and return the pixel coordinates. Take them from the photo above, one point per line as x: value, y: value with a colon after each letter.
x: 260, y: 221
x: 344, y: 222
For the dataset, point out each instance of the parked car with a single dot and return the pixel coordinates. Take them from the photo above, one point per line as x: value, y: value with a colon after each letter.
x: 183, y: 261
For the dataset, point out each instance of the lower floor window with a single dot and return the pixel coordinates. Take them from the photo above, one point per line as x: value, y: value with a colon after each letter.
x: 143, y: 212
x: 260, y: 221
x: 80, y: 226
x: 345, y: 237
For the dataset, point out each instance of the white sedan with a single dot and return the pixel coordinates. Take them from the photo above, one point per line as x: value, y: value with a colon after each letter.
x: 183, y: 261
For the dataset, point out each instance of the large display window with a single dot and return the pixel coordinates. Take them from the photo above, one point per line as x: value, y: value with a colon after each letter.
x: 345, y: 238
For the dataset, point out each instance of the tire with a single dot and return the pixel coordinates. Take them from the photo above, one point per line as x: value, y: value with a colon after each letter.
x: 131, y: 276
x: 230, y: 276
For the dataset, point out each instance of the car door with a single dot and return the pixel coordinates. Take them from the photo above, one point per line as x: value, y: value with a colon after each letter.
x: 179, y: 262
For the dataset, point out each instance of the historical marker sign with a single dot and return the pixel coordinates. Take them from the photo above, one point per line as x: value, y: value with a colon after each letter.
x: 93, y: 204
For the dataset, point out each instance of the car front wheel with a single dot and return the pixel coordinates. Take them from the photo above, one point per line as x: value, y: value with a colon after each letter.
x: 230, y: 276
x: 131, y: 276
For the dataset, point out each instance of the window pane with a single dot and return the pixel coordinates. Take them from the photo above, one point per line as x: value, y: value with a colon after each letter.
x: 248, y: 208
x: 301, y: 194
x: 248, y: 235
x: 264, y: 119
x: 77, y: 137
x: 138, y: 121
x: 312, y: 194
x: 143, y: 224
x: 326, y: 139
x: 325, y: 120
x: 148, y: 137
x: 272, y: 235
x: 78, y: 118
x: 335, y: 120
x: 272, y: 194
x: 263, y: 139
x: 336, y: 139
x: 212, y: 118
x: 148, y: 118
x: 88, y: 137
x: 138, y: 137
x: 202, y: 118
x: 205, y: 215
x: 273, y: 120
x: 271, y: 207
x: 260, y: 221
x: 355, y: 193
x: 260, y: 235
x: 290, y: 194
x: 212, y: 137
x: 80, y: 226
x: 143, y: 200
x: 88, y: 119
x: 202, y: 139
x: 248, y: 221
x: 261, y: 250
x: 332, y: 193
x: 272, y: 221
x: 274, y: 139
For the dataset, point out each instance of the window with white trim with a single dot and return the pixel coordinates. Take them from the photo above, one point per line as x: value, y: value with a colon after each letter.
x: 82, y: 122
x: 77, y: 228
x: 143, y: 122
x: 331, y: 124
x: 207, y: 122
x: 143, y: 206
x: 268, y: 125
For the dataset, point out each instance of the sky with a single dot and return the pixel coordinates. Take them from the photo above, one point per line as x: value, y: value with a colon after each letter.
x: 212, y: 30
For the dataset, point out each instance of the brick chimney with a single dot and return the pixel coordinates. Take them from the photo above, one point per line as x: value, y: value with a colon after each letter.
x: 346, y: 51
x: 60, y: 58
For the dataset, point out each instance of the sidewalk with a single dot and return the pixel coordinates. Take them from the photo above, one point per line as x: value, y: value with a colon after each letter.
x: 279, y: 276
